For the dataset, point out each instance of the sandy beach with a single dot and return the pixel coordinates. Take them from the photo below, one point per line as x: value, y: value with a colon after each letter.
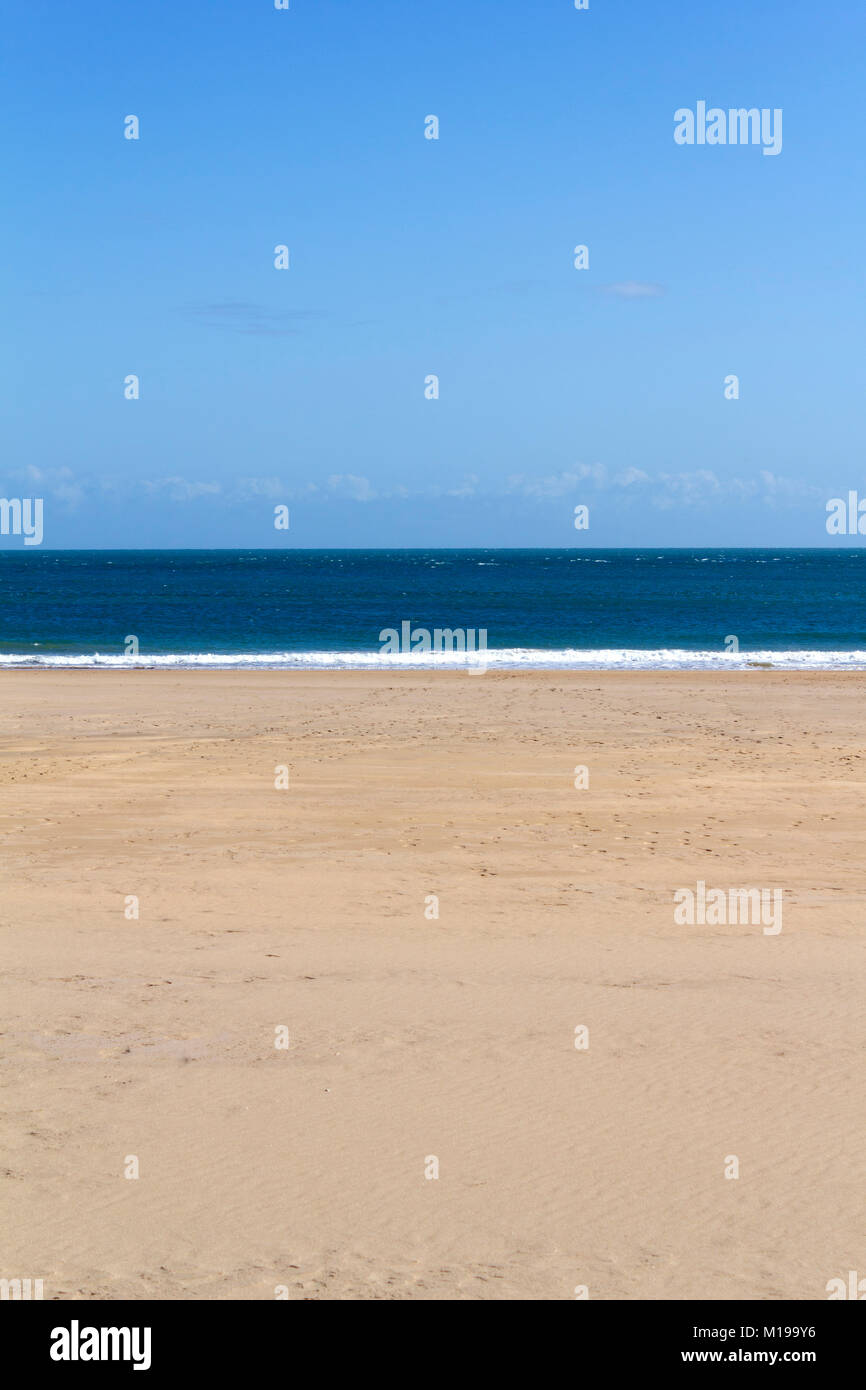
x: 414, y: 1037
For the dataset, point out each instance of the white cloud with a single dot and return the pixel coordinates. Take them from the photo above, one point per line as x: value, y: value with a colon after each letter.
x: 351, y: 486
x: 468, y: 488
x: 181, y: 489
x: 60, y: 484
x: 687, y: 488
x: 634, y: 289
x: 557, y: 484
x: 778, y: 488
x: 630, y: 476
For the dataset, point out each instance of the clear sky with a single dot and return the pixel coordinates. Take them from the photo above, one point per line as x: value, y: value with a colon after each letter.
x: 411, y: 257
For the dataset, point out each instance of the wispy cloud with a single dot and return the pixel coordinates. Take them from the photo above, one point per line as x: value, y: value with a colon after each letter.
x: 351, y: 486
x: 60, y: 484
x: 776, y: 488
x: 556, y: 484
x: 633, y: 289
x: 688, y: 488
x: 252, y: 320
x: 468, y: 488
x: 180, y: 489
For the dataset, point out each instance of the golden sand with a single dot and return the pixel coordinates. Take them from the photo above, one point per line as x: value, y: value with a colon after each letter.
x: 150, y: 1041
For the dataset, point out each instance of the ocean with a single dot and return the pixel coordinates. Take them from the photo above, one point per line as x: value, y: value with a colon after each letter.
x: 537, y: 608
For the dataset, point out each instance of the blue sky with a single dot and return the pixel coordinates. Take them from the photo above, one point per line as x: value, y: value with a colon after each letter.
x: 412, y: 257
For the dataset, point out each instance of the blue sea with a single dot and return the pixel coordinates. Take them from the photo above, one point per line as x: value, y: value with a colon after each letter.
x: 538, y: 608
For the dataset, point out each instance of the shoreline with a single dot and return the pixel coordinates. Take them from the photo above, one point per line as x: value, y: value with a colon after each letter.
x: 506, y: 661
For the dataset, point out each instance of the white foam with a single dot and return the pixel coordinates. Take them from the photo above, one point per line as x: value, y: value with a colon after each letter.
x: 507, y: 658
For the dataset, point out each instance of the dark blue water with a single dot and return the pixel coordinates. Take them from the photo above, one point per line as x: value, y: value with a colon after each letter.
x: 537, y: 607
